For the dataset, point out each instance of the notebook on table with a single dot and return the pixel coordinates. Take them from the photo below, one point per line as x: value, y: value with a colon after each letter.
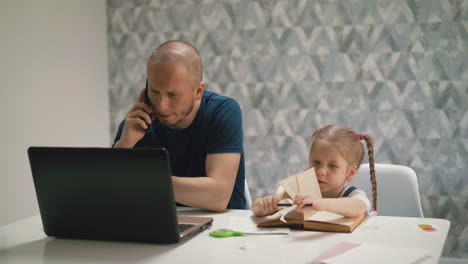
x: 109, y: 194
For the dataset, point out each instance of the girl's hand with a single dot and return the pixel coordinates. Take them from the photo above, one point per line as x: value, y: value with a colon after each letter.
x: 302, y: 200
x: 265, y: 206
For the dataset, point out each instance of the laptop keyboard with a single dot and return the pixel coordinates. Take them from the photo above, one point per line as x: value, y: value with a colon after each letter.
x: 183, y: 227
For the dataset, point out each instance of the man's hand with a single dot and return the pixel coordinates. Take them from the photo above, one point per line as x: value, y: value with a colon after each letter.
x: 265, y: 206
x: 137, y: 121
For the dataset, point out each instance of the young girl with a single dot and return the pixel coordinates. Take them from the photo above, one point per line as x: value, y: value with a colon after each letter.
x: 336, y: 153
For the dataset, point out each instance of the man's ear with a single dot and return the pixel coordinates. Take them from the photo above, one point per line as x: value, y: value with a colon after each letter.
x: 352, y: 173
x: 199, y: 91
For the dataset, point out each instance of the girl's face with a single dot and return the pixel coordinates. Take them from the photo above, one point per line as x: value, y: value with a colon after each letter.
x: 331, y: 168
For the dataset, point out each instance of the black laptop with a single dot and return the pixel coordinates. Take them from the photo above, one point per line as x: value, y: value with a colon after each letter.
x: 109, y: 194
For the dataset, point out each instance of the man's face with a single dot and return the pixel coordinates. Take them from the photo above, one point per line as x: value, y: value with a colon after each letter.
x: 172, y: 94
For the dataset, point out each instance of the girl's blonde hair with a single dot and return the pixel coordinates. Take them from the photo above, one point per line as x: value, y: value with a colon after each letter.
x: 351, y: 148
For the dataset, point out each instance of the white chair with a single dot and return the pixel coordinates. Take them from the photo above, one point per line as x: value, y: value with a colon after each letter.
x: 397, y: 189
x: 248, y: 198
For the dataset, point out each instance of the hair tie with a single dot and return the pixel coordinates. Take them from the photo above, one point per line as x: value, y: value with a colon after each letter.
x: 361, y: 136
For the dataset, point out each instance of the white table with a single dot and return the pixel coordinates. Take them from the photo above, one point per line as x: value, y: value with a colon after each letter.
x: 25, y: 242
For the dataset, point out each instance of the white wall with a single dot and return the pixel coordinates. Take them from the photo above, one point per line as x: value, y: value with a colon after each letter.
x: 53, y: 88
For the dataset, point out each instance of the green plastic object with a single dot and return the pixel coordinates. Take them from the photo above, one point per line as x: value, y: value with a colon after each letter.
x: 225, y: 233
x: 230, y: 233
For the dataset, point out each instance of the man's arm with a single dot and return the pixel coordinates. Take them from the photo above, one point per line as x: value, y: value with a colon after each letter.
x: 214, y: 191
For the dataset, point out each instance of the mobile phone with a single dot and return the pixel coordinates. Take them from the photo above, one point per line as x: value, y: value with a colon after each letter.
x: 147, y: 100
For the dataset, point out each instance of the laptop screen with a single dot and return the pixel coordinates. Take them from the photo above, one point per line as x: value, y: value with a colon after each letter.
x: 105, y: 193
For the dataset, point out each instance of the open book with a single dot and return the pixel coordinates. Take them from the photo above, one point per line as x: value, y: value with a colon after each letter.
x: 310, y: 219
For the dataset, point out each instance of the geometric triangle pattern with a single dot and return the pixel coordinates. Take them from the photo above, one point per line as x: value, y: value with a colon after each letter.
x: 397, y: 70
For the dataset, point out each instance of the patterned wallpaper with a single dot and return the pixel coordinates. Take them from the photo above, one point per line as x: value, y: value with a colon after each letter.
x: 395, y: 69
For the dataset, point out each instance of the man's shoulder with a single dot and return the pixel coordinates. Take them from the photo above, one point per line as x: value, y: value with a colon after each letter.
x: 215, y: 98
x: 215, y: 102
x: 220, y: 111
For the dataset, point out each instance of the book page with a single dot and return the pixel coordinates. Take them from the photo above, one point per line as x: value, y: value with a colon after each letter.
x: 290, y: 186
x: 329, y: 217
x: 308, y: 212
x: 307, y: 181
x: 284, y: 213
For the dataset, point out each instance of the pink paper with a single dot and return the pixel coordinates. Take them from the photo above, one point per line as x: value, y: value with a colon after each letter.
x: 336, y: 250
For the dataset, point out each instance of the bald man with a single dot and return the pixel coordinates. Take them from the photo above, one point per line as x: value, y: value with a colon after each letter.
x: 201, y: 130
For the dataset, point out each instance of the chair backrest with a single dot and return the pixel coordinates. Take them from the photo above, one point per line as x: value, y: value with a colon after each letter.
x: 397, y: 189
x: 248, y: 198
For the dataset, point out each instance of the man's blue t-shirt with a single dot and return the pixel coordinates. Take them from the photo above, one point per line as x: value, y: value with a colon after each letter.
x: 217, y: 128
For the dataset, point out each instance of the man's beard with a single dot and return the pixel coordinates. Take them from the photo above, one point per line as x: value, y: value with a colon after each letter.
x: 184, y: 115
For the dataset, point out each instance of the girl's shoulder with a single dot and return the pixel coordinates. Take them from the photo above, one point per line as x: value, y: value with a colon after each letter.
x: 351, y: 190
x: 356, y: 193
